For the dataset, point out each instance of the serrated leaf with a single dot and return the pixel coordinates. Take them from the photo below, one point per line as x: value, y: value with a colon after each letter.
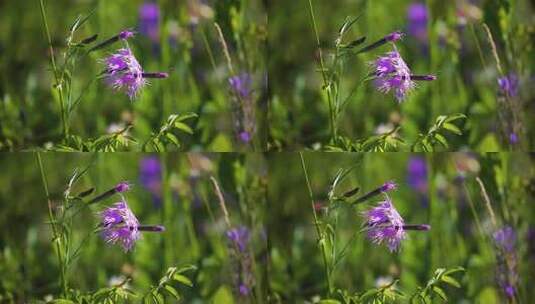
x: 182, y: 279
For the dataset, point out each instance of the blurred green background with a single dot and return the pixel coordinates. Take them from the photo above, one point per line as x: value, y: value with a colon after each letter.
x: 186, y: 42
x: 467, y: 82
x: 444, y: 195
x: 183, y: 201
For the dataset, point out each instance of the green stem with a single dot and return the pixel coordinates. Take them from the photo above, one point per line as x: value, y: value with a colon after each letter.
x: 323, y: 74
x: 57, y: 85
x: 56, y: 237
x: 317, y: 225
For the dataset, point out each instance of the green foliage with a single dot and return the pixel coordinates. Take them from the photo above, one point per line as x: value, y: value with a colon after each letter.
x: 435, y: 286
x: 435, y: 136
x: 157, y: 294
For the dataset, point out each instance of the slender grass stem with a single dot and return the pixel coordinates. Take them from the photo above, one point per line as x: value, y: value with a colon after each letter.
x: 58, y: 84
x: 56, y: 238
x: 320, y: 237
x: 323, y: 73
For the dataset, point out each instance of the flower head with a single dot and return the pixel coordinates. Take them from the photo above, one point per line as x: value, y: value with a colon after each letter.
x: 389, y: 186
x: 505, y: 238
x: 392, y: 73
x: 239, y: 236
x: 126, y: 34
x: 122, y: 187
x: 241, y: 84
x: 119, y: 225
x: 124, y: 73
x: 385, y: 225
x: 394, y: 36
x: 509, y: 85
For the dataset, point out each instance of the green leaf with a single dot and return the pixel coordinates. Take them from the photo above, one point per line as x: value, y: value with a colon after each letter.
x: 182, y: 279
x: 173, y: 139
x: 170, y: 289
x: 329, y: 301
x: 449, y: 280
x: 442, y: 140
x: 183, y: 127
x: 453, y: 128
x: 440, y: 292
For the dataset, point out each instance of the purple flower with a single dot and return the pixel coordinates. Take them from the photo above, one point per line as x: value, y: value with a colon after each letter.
x: 241, y: 85
x: 239, y: 236
x: 509, y: 85
x: 513, y: 138
x: 392, y: 73
x: 126, y: 34
x: 120, y: 225
x: 244, y: 290
x: 417, y: 174
x: 124, y: 73
x: 122, y: 187
x: 245, y: 136
x: 385, y: 225
x: 417, y: 17
x: 150, y: 175
x: 505, y: 238
x: 394, y: 36
x: 388, y: 186
x: 149, y: 18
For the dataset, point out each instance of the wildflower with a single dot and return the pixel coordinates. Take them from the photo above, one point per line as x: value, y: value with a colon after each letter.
x: 150, y: 175
x: 120, y: 225
x: 122, y: 36
x: 119, y: 188
x: 513, y: 138
x: 241, y: 85
x: 122, y: 187
x: 385, y: 225
x: 386, y: 187
x: 505, y: 238
x: 392, y: 73
x: 509, y: 85
x: 417, y: 18
x: 417, y: 174
x: 506, y: 272
x: 240, y: 237
x: 124, y: 73
x: 245, y: 137
x: 149, y: 18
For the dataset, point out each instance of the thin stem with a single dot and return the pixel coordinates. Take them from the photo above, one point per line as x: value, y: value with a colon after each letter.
x: 317, y: 225
x: 52, y: 220
x: 487, y: 202
x: 221, y: 201
x: 55, y: 70
x: 323, y: 74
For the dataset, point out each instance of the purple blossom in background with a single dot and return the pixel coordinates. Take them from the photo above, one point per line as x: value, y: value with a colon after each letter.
x: 385, y: 225
x: 239, y: 236
x: 513, y: 138
x: 244, y: 290
x: 417, y: 174
x: 509, y: 85
x: 241, y: 84
x: 505, y: 238
x: 149, y: 21
x: 245, y: 137
x: 119, y: 225
x: 150, y: 175
x: 392, y: 73
x: 417, y: 19
x: 124, y: 73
